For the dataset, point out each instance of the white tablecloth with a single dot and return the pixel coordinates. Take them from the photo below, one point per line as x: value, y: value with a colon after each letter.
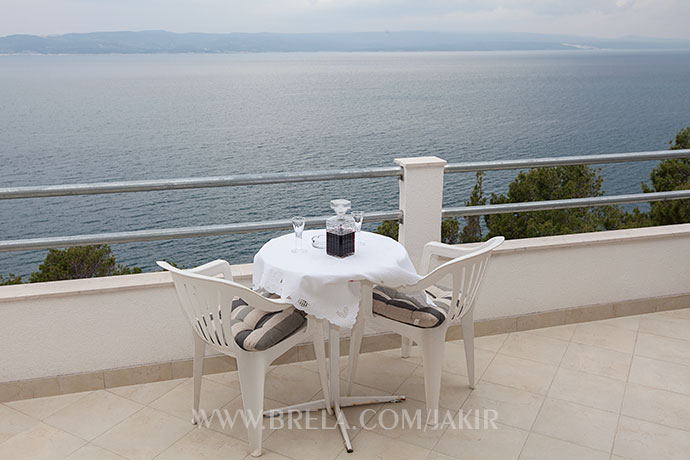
x: 325, y: 286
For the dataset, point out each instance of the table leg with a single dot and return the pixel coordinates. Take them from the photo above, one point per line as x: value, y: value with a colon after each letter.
x: 337, y: 402
x: 334, y: 378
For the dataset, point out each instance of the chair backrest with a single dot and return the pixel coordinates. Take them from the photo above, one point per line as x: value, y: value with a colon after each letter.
x: 466, y: 271
x: 207, y: 302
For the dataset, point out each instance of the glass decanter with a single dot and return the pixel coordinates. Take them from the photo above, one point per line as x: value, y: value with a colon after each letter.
x: 340, y: 231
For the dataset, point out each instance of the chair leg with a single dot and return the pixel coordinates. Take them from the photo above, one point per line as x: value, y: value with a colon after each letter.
x: 198, y: 372
x: 320, y: 351
x: 355, y: 345
x: 433, y: 346
x: 467, y: 324
x: 252, y: 371
x: 405, y: 347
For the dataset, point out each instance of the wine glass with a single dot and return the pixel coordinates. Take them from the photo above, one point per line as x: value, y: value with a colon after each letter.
x: 358, y: 216
x: 298, y: 226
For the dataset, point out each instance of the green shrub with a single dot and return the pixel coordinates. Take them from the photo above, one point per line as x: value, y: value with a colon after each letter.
x: 80, y: 262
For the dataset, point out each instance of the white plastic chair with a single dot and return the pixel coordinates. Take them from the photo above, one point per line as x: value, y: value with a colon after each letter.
x: 466, y: 269
x: 206, y: 294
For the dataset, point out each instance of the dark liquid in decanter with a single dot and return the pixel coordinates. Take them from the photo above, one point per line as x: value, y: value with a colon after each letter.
x: 340, y: 245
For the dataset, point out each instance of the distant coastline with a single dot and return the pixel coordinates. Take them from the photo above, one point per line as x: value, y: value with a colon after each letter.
x: 157, y: 42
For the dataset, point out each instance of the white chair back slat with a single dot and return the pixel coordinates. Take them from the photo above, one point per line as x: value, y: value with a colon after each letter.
x: 213, y: 302
x: 473, y: 274
x: 458, y: 293
x: 190, y: 307
x: 226, y: 310
x: 480, y: 276
x: 201, y: 298
x: 466, y: 272
x: 201, y: 301
x: 471, y: 278
x: 181, y: 291
x: 207, y: 304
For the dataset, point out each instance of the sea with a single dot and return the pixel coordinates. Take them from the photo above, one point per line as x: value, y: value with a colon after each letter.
x: 92, y: 118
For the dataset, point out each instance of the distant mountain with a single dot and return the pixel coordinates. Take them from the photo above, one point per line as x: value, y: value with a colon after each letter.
x: 168, y: 42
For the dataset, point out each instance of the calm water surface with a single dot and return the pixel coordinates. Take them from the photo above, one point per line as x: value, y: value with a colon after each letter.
x: 67, y: 119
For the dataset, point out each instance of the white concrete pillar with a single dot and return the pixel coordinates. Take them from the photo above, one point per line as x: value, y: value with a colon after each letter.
x: 421, y: 199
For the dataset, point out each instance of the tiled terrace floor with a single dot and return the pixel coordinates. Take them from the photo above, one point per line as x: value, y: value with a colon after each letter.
x: 607, y: 389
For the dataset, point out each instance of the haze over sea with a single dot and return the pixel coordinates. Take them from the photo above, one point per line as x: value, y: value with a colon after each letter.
x: 90, y: 118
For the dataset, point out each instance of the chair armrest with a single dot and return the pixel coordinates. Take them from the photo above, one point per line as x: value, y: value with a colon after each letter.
x: 260, y: 302
x: 448, y: 251
x: 214, y: 268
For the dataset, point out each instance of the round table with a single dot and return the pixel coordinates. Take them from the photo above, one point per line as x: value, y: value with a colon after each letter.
x: 328, y: 287
x: 330, y: 290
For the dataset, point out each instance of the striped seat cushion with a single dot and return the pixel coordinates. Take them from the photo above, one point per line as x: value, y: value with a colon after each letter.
x: 257, y: 330
x: 422, y: 309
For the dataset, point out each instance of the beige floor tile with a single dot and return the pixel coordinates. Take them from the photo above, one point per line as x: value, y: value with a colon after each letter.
x: 313, y: 366
x: 40, y: 408
x: 605, y: 336
x: 201, y: 443
x: 39, y: 443
x: 291, y: 384
x: 595, y: 360
x: 144, y: 435
x: 660, y: 374
x: 640, y: 440
x: 93, y: 414
x: 406, y: 421
x: 438, y: 456
x: 269, y: 455
x: 658, y: 406
x: 93, y: 452
x: 519, y: 373
x: 359, y: 415
x: 587, y: 389
x: 233, y: 424
x: 454, y: 359
x: 306, y: 444
x: 489, y: 342
x: 179, y: 401
x: 683, y: 313
x: 540, y: 447
x: 231, y: 379
x: 382, y: 372
x: 146, y: 393
x: 415, y: 354
x: 373, y: 446
x: 454, y: 388
x: 534, y: 347
x: 577, y: 424
x: 626, y: 322
x: 663, y: 348
x: 514, y: 407
x: 13, y: 422
x: 503, y: 443
x: 564, y: 332
x: 667, y: 326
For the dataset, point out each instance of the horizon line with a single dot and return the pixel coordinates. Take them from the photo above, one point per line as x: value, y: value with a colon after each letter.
x: 420, y: 31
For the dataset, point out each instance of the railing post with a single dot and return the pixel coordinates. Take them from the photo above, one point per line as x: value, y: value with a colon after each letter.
x: 421, y: 199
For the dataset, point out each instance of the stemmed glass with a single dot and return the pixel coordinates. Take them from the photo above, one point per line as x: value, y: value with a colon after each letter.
x: 358, y: 216
x: 298, y: 226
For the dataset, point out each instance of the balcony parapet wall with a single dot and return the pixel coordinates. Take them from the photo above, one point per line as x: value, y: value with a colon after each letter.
x: 78, y: 335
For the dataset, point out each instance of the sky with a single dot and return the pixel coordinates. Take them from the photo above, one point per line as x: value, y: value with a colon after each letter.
x: 594, y: 18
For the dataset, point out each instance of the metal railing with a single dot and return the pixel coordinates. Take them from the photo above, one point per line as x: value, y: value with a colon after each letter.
x: 563, y: 161
x: 175, y: 233
x: 194, y: 182
x: 282, y: 178
x: 464, y: 211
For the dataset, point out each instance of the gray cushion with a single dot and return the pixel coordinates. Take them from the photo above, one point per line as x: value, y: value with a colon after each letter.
x: 257, y: 330
x: 426, y: 310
